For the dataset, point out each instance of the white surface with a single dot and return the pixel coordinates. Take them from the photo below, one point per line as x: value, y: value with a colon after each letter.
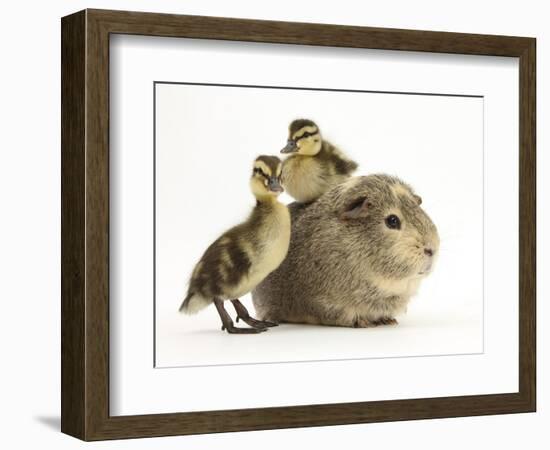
x: 136, y: 387
x: 433, y: 142
x: 30, y: 226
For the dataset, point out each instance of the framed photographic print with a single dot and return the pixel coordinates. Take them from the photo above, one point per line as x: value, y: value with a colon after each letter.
x: 270, y: 224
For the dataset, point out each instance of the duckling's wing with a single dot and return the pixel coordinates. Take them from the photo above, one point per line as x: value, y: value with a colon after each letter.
x: 346, y: 166
x: 224, y: 263
x: 342, y: 164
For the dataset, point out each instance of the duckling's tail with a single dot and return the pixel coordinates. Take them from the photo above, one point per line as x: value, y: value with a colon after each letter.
x: 193, y: 303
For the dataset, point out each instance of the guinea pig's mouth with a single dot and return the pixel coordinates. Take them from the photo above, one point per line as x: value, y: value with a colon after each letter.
x: 426, y: 270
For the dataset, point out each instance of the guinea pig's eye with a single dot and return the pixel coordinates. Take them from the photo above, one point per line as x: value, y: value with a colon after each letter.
x: 393, y: 222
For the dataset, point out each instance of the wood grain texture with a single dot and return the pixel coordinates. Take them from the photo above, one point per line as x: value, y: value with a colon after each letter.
x: 85, y: 224
x: 527, y: 224
x: 73, y: 227
x: 152, y: 24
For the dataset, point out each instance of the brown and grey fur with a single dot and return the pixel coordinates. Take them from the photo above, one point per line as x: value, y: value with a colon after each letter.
x: 245, y: 254
x: 316, y: 165
x: 345, y: 266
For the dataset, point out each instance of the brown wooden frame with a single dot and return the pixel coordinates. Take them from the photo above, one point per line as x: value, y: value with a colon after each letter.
x: 85, y: 224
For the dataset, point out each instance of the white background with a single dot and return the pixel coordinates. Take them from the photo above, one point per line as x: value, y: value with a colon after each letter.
x: 433, y: 142
x: 30, y: 225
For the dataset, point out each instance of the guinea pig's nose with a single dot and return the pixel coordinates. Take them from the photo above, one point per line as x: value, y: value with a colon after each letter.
x: 428, y: 251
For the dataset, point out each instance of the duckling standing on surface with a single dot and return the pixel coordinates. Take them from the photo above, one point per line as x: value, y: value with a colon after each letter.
x: 243, y: 256
x: 315, y: 165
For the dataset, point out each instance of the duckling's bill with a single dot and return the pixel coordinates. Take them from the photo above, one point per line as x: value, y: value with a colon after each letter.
x: 274, y: 185
x: 290, y: 147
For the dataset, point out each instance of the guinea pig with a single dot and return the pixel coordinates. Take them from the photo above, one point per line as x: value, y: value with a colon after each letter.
x: 357, y: 255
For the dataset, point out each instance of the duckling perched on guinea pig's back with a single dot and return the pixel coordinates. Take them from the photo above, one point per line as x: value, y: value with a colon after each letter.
x: 245, y: 254
x: 315, y: 165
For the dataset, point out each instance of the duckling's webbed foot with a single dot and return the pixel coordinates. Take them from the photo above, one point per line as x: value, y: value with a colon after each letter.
x: 232, y: 329
x: 242, y: 313
x: 227, y: 323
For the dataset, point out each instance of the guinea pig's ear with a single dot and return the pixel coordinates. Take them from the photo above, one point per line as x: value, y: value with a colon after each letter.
x: 417, y: 199
x: 356, y: 209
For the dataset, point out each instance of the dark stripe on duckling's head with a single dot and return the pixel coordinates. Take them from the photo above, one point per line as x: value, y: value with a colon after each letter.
x: 268, y: 165
x: 298, y: 124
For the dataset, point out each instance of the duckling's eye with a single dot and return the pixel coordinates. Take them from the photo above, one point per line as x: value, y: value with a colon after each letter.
x: 393, y: 222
